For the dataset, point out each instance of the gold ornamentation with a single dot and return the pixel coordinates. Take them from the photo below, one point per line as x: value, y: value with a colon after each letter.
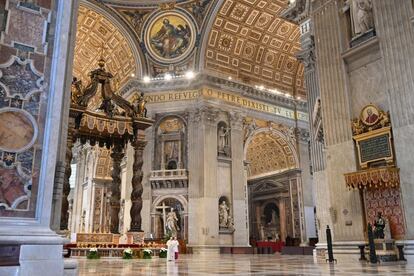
x: 374, y: 178
x: 371, y: 118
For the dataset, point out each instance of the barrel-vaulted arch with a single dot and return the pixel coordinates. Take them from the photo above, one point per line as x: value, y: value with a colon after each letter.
x: 100, y: 32
x: 247, y: 40
x: 269, y: 151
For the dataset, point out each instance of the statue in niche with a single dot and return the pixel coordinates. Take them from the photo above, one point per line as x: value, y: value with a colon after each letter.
x: 362, y: 16
x: 273, y: 220
x: 262, y: 232
x: 379, y: 226
x: 223, y: 140
x: 172, y: 223
x: 224, y: 214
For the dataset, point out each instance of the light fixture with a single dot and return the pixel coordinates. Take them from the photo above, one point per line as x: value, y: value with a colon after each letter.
x: 132, y: 75
x: 261, y: 87
x: 147, y: 79
x: 189, y: 74
x: 229, y: 78
x: 167, y: 77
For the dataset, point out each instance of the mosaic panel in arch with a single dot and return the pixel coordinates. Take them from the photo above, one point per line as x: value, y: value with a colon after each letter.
x: 21, y: 88
x: 388, y: 202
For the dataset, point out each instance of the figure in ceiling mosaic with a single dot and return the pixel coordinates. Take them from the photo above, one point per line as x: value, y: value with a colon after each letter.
x: 170, y: 36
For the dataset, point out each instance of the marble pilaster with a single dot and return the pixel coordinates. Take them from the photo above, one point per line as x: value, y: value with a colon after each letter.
x: 238, y: 182
x: 345, y: 211
x: 392, y: 22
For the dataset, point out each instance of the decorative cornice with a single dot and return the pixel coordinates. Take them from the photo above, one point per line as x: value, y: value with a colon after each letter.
x: 297, y: 12
x: 203, y: 79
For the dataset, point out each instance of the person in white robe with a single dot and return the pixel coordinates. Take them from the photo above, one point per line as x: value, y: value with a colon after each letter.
x: 171, y: 249
x: 176, y: 247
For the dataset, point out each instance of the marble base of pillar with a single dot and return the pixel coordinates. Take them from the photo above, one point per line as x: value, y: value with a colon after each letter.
x: 40, y: 250
x: 115, y: 238
x: 205, y: 250
x: 135, y: 237
x: 70, y: 267
x: 408, y: 249
x: 37, y: 260
x: 343, y: 251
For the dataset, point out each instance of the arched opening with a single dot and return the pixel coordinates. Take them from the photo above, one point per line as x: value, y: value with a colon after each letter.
x: 169, y: 218
x: 273, y: 186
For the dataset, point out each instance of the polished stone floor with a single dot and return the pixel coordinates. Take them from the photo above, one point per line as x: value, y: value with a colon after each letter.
x: 236, y: 265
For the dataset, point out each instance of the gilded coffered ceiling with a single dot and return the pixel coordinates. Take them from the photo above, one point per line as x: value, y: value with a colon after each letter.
x: 250, y: 42
x: 243, y: 39
x: 268, y: 152
x: 95, y: 35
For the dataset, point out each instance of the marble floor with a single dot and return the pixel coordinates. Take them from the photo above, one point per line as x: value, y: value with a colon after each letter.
x: 236, y: 265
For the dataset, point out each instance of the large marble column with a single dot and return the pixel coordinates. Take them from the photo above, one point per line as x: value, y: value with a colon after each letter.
x: 203, y: 222
x: 44, y: 47
x: 116, y: 155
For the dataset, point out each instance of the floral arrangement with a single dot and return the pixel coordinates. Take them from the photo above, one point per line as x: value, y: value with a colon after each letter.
x: 147, y: 254
x: 93, y: 253
x: 163, y: 253
x: 127, y: 253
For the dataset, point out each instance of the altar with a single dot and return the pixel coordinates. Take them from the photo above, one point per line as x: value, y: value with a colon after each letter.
x: 276, y: 246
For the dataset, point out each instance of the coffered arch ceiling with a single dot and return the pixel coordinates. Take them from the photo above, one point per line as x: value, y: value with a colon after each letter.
x: 96, y: 31
x: 269, y: 152
x: 249, y: 41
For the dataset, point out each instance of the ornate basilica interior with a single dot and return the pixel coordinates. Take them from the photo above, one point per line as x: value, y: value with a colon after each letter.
x: 237, y: 126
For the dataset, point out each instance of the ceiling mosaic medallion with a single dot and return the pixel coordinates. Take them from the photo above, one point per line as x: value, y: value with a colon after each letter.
x: 170, y: 36
x: 18, y: 130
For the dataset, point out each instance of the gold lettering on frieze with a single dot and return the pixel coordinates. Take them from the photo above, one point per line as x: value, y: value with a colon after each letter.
x: 226, y: 97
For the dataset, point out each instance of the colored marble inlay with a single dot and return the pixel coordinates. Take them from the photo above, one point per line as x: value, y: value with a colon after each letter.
x: 388, y: 202
x: 16, y: 131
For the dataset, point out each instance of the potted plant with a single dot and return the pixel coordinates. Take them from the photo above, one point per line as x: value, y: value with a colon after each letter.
x: 93, y: 253
x: 127, y: 253
x: 147, y: 254
x: 163, y: 253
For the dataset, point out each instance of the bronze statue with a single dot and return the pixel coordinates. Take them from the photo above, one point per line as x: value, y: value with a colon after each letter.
x: 76, y: 90
x: 109, y: 98
x: 139, y: 106
x: 379, y: 226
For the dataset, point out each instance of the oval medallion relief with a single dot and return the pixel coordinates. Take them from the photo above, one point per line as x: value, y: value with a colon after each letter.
x: 18, y: 130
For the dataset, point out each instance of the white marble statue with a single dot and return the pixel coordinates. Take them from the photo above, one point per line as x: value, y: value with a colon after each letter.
x: 363, y: 19
x: 223, y: 214
x: 273, y: 221
x: 262, y: 232
x: 172, y: 223
x: 222, y: 138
